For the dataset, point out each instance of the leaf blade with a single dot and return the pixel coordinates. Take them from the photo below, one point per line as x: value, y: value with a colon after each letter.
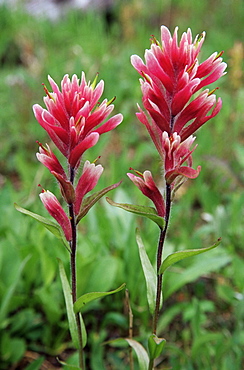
x: 89, y: 297
x: 53, y: 227
x: 149, y: 273
x: 69, y: 307
x: 180, y: 255
x: 92, y: 199
x: 144, y: 211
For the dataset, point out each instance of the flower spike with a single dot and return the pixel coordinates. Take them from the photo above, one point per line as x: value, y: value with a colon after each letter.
x: 171, y: 75
x: 73, y: 118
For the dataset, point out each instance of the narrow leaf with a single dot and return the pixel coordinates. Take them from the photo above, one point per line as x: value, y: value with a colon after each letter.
x: 149, y: 273
x: 91, y: 200
x: 180, y: 255
x: 144, y: 211
x: 68, y: 366
x: 50, y: 225
x: 69, y: 307
x: 89, y: 297
x: 155, y: 346
x: 140, y: 351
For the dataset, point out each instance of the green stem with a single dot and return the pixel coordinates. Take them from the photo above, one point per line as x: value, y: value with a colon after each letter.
x: 159, y: 259
x: 73, y: 246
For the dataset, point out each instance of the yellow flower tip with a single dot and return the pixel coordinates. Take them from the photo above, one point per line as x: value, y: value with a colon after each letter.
x: 137, y: 172
x: 191, y: 67
x: 219, y: 55
x: 111, y: 101
x: 47, y: 92
x: 199, y: 38
x: 213, y: 91
x: 95, y: 160
x: 93, y: 85
x: 154, y: 41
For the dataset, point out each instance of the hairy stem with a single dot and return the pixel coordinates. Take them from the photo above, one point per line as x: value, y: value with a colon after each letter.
x: 73, y: 245
x: 159, y: 258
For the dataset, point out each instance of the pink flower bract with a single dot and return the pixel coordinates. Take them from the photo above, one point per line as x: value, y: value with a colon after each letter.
x: 148, y: 187
x: 74, y: 118
x: 176, y: 152
x: 171, y: 75
x: 55, y: 209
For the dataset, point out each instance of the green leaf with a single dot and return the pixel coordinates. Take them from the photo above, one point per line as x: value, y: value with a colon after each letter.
x: 144, y: 211
x: 155, y: 346
x: 180, y: 255
x: 50, y: 225
x: 91, y: 200
x: 89, y: 297
x: 149, y: 273
x: 68, y: 366
x: 36, y: 365
x: 140, y: 351
x: 69, y: 308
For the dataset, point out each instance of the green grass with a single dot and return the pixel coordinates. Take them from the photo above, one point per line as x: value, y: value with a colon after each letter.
x: 203, y: 311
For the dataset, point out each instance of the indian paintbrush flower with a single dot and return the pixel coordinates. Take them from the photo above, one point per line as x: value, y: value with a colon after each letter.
x: 176, y: 152
x: 55, y: 209
x: 148, y: 187
x: 88, y: 180
x: 171, y: 76
x: 74, y: 119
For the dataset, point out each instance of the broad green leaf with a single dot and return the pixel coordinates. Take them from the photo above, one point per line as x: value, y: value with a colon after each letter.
x: 140, y: 351
x: 180, y: 255
x: 50, y: 225
x: 149, y: 273
x: 144, y: 211
x: 155, y: 346
x: 89, y: 297
x: 70, y: 311
x: 91, y: 200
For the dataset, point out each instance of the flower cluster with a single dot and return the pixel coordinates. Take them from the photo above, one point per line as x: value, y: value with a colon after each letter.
x: 74, y: 120
x: 171, y: 75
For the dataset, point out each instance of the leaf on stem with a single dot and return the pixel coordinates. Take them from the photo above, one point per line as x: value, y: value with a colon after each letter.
x: 70, y: 312
x: 155, y: 346
x: 180, y: 255
x: 149, y: 273
x: 92, y: 199
x: 140, y: 351
x: 144, y: 211
x: 89, y: 297
x: 50, y: 225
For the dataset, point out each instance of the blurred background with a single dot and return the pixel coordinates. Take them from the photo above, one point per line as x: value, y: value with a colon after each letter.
x: 203, y: 313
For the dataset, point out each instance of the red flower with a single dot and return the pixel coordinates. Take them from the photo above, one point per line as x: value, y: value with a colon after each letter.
x: 88, y: 180
x: 55, y: 209
x: 74, y: 119
x: 176, y: 152
x: 171, y: 75
x: 148, y: 187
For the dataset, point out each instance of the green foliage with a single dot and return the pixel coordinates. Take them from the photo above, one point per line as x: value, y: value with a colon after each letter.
x: 202, y: 319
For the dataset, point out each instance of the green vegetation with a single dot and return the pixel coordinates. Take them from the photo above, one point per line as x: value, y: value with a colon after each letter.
x: 203, y: 312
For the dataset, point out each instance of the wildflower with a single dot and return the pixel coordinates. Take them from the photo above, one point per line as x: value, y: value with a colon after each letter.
x: 74, y: 119
x: 176, y: 152
x: 171, y: 76
x: 48, y: 158
x: 148, y: 187
x: 88, y: 180
x: 55, y: 209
